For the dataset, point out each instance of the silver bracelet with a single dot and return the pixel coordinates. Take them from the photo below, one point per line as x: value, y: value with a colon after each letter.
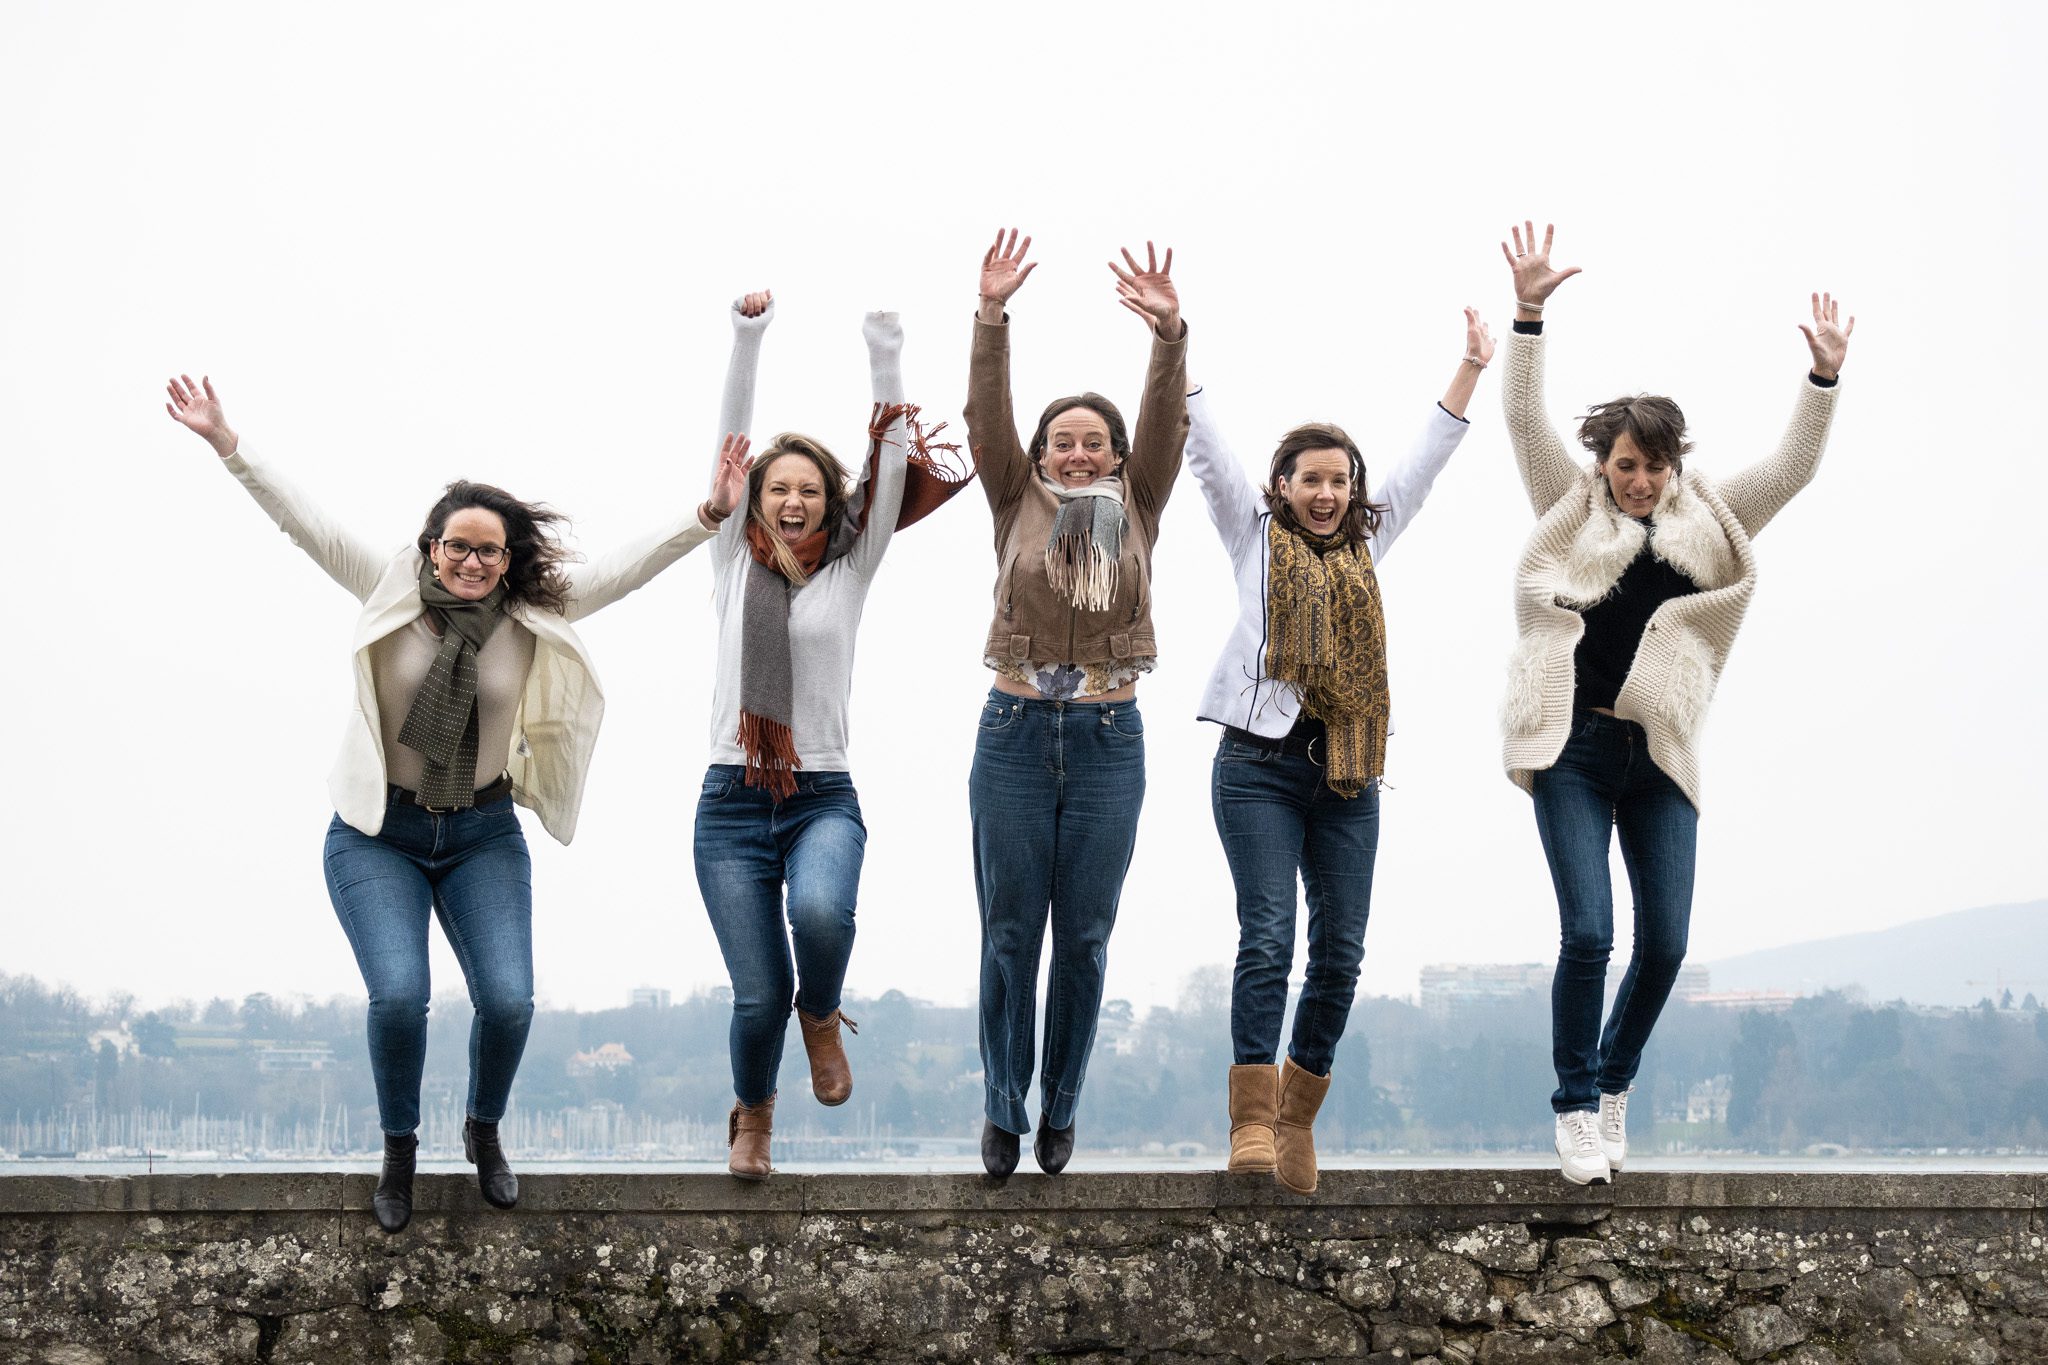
x: 1532, y: 307
x: 1475, y: 362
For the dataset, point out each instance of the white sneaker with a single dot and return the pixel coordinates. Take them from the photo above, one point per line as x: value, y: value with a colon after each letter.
x: 1578, y: 1147
x: 1614, y: 1128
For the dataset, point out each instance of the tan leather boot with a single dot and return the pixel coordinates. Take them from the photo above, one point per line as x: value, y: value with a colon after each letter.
x: 831, y: 1075
x: 746, y: 1132
x: 1254, y: 1095
x: 1301, y: 1095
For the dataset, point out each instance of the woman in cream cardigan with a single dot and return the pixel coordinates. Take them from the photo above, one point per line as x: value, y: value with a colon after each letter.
x: 472, y: 693
x: 1627, y: 600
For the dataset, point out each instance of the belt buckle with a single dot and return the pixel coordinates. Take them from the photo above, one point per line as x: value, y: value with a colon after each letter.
x: 1314, y: 740
x: 421, y: 802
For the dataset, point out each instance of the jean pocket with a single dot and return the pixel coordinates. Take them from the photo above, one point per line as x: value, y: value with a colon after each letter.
x: 717, y: 786
x: 1124, y: 722
x: 1237, y: 751
x: 997, y: 716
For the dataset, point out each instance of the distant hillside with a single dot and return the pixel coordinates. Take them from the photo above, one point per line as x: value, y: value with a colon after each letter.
x: 1947, y: 960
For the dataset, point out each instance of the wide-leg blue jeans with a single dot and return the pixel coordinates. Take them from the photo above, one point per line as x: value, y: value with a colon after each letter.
x: 750, y: 847
x: 1603, y: 782
x: 1278, y: 818
x: 1054, y: 795
x: 470, y: 869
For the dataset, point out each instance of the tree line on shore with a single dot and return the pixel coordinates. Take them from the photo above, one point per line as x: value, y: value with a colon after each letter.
x: 1831, y: 1070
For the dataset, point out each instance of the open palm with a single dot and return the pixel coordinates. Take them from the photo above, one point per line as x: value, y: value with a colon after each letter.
x: 1003, y: 267
x: 1148, y: 290
x: 198, y: 407
x: 1535, y: 278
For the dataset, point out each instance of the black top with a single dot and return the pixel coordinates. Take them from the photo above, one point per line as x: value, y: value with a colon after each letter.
x: 1615, y: 624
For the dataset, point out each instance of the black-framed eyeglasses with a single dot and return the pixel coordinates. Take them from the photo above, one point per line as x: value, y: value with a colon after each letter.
x: 490, y: 556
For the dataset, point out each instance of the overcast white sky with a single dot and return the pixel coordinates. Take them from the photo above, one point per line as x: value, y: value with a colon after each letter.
x: 415, y: 242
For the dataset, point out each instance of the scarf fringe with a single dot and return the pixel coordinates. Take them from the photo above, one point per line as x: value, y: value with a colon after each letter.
x: 771, y: 755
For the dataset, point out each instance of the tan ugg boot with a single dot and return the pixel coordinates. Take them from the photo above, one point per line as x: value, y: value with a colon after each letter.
x: 746, y: 1132
x: 1301, y: 1095
x: 1254, y: 1095
x: 831, y: 1074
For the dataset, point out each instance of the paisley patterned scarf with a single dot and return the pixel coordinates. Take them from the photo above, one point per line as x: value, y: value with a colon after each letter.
x: 1326, y: 635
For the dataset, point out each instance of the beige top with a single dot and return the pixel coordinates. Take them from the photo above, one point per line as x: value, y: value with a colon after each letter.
x: 399, y: 663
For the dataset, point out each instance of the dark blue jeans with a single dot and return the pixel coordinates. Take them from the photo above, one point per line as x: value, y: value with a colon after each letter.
x: 1277, y: 817
x: 749, y: 848
x: 1604, y: 781
x: 470, y: 868
x: 1054, y: 794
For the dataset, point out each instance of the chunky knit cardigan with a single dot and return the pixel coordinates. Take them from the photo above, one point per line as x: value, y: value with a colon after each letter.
x: 1581, y: 544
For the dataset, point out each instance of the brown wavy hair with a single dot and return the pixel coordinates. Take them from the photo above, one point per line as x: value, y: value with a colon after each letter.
x: 834, y: 476
x: 1361, y: 517
x: 534, y: 575
x: 1119, y: 442
x: 1653, y: 422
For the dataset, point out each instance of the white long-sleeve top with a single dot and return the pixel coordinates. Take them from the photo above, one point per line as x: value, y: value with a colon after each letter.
x: 561, y: 704
x: 1239, y: 692
x: 824, y: 615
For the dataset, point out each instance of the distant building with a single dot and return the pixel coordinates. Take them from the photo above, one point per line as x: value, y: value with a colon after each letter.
x: 1770, y: 1002
x: 1448, y: 987
x: 1692, y: 982
x: 652, y: 997
x: 608, y: 1058
x: 1707, y: 1102
x: 293, y: 1056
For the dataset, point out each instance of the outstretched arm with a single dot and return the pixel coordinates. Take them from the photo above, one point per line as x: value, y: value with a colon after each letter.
x: 884, y: 335
x: 1548, y: 471
x: 346, y: 559
x: 1233, y: 501
x: 991, y: 422
x: 1757, y: 494
x: 1406, y: 487
x: 751, y: 314
x: 1162, y: 429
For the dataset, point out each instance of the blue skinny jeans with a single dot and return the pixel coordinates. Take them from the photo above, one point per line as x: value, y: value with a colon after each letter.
x: 779, y: 948
x: 1054, y: 796
x: 1278, y: 817
x: 469, y: 869
x: 1603, y: 782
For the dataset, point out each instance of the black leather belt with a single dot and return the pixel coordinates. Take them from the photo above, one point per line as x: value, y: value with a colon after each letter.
x: 1306, y: 740
x: 484, y: 796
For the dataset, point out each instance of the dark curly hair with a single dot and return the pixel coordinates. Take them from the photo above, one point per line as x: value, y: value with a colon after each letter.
x: 1361, y: 518
x: 1654, y: 423
x: 533, y: 575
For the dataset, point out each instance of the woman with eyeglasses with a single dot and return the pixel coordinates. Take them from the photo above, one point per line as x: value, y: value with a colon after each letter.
x: 1302, y: 695
x: 473, y: 692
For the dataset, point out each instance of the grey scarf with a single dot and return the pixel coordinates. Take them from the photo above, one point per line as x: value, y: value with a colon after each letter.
x: 442, y: 724
x: 1087, y: 542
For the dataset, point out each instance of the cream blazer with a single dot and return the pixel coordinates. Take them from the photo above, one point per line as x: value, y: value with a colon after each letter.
x: 556, y: 728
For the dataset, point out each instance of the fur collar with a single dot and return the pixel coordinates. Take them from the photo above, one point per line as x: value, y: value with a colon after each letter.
x: 1683, y: 532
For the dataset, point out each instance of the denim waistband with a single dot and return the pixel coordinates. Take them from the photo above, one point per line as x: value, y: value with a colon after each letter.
x: 1002, y: 698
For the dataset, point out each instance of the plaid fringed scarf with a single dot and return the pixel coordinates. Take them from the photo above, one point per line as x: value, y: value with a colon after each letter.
x: 442, y: 724
x: 1326, y: 635
x: 767, y: 671
x: 1087, y: 542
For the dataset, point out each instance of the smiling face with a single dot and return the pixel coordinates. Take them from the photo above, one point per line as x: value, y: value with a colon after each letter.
x: 1078, y: 450
x: 1636, y: 480
x: 456, y: 563
x: 1318, y: 492
x: 793, y: 497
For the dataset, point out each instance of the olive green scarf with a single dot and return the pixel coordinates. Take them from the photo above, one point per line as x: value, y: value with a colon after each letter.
x: 442, y: 724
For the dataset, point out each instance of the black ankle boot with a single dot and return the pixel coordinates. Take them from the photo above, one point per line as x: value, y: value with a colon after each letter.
x: 392, y: 1203
x: 493, y: 1176
x: 1053, y: 1147
x: 998, y: 1150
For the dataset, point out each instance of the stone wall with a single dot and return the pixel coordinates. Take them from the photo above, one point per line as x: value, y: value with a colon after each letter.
x: 1493, y: 1267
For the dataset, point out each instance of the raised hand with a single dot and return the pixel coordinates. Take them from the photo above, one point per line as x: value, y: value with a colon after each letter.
x: 729, y: 482
x: 197, y: 406
x: 1148, y: 291
x: 755, y: 304
x: 1003, y: 272
x: 1535, y: 279
x: 1478, y: 341
x: 1828, y: 338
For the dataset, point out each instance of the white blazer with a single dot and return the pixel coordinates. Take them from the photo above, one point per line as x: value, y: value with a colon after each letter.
x: 559, y: 714
x: 1239, y: 692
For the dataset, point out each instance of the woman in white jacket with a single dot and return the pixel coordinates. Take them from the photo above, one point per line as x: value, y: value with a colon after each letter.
x: 1301, y: 692
x: 472, y: 693
x: 1627, y: 600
